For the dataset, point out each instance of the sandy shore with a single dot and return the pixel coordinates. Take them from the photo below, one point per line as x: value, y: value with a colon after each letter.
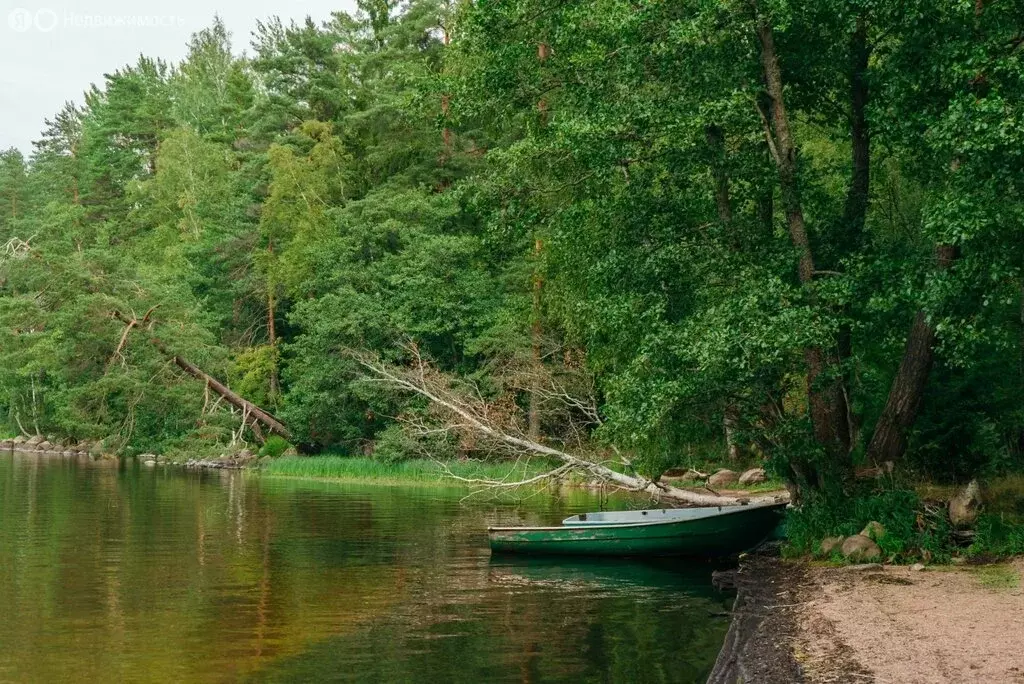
x: 897, y: 625
x: 796, y: 622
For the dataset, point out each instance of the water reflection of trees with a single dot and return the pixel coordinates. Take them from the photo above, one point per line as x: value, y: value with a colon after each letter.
x: 111, y: 573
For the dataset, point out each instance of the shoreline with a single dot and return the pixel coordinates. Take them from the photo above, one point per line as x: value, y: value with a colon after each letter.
x: 360, y: 469
x: 795, y: 621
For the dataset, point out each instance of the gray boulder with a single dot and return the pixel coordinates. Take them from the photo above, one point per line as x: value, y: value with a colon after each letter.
x: 965, y: 506
x: 859, y: 549
x: 20, y: 439
x: 723, y: 478
x: 830, y: 544
x: 874, y: 530
x: 35, y: 439
x: 753, y: 476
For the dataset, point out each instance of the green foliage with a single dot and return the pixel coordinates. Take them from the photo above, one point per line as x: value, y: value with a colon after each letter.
x: 998, y: 536
x: 532, y: 189
x: 912, y: 531
x: 275, y: 446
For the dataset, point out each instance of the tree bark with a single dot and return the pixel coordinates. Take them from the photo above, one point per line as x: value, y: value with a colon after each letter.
x: 889, y: 441
x: 825, y: 394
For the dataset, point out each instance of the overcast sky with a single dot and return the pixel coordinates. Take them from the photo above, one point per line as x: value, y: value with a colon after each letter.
x: 51, y: 50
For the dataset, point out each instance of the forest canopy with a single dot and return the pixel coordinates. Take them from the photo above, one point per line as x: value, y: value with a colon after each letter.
x: 741, y: 229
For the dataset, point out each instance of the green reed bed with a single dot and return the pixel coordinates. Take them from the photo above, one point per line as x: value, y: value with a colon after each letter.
x: 361, y: 468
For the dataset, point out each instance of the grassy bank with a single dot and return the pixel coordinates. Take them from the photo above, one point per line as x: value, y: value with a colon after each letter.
x: 362, y: 469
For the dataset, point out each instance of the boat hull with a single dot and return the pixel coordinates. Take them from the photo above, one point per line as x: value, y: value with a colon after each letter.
x: 728, y: 532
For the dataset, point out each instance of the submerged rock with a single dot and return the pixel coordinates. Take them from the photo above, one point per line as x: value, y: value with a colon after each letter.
x: 723, y: 478
x: 965, y: 506
x: 753, y: 476
x: 860, y: 548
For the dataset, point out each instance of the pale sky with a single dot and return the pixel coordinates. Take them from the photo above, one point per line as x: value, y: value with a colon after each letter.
x: 51, y: 50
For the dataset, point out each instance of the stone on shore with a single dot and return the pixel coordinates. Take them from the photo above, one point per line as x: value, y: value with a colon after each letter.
x: 723, y: 478
x: 874, y: 530
x: 859, y: 548
x: 830, y: 544
x: 917, y: 567
x: 34, y: 440
x: 753, y: 476
x: 965, y: 506
x: 20, y: 439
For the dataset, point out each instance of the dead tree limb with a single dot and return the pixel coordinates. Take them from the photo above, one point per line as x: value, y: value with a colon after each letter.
x: 464, y: 415
x: 256, y: 415
x: 133, y: 323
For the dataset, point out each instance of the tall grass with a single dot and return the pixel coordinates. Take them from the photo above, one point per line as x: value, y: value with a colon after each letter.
x: 360, y: 468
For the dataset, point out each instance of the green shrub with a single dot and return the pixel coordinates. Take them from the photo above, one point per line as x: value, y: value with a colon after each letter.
x: 913, y: 531
x: 997, y: 536
x: 274, y: 446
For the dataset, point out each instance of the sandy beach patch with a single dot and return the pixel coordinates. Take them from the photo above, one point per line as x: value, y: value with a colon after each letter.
x: 913, y: 627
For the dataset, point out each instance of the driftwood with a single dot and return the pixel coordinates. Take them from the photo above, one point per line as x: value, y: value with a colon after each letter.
x: 464, y: 415
x: 253, y: 415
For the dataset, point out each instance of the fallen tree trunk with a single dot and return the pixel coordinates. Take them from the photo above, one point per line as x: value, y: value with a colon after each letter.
x: 423, y: 381
x: 254, y: 415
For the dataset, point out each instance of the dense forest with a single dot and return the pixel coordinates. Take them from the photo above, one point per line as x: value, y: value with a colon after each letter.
x: 750, y: 229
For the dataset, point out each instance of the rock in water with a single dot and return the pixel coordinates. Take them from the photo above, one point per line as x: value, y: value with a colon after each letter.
x: 874, y: 530
x: 859, y: 548
x: 723, y: 478
x: 964, y: 507
x: 753, y: 476
x: 830, y: 544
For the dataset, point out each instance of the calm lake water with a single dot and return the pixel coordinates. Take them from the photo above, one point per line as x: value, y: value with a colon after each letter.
x: 162, y: 575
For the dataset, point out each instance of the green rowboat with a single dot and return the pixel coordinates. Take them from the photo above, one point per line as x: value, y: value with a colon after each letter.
x: 711, y: 531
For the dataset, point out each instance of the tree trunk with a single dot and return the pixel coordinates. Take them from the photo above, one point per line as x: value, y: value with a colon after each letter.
x: 255, y: 413
x: 858, y: 194
x: 719, y: 172
x: 889, y: 441
x: 536, y: 334
x: 720, y: 175
x: 275, y: 380
x: 466, y: 417
x: 857, y: 197
x: 825, y: 393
